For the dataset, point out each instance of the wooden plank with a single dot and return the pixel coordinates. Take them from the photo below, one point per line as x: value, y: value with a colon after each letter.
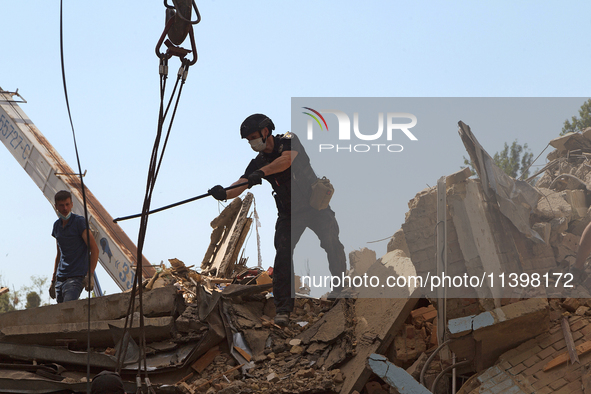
x: 233, y: 240
x: 189, y: 376
x: 583, y: 348
x: 238, y: 246
x: 243, y: 353
x: 204, y: 361
x: 187, y: 387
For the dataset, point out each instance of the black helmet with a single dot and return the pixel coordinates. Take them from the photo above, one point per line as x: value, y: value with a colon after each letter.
x: 255, y: 122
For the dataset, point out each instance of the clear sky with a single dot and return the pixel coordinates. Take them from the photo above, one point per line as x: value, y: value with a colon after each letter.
x: 254, y: 57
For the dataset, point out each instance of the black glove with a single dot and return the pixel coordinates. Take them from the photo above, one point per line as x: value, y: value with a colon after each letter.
x: 218, y: 192
x: 52, y: 290
x: 255, y: 178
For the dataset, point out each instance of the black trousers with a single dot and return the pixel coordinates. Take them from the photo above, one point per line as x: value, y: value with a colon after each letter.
x: 288, y: 231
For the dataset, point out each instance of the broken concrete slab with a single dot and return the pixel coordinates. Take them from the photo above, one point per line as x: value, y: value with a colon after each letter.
x: 395, y: 376
x: 360, y: 260
x: 494, y: 332
x: 377, y: 322
x: 224, y: 254
x: 514, y: 198
x: 164, y: 301
x: 58, y: 355
x: 156, y: 329
x: 398, y: 241
x: 570, y: 141
x: 330, y: 326
x: 553, y: 205
x: 12, y: 381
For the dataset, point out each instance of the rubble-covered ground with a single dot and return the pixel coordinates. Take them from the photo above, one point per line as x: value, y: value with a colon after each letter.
x: 213, y: 331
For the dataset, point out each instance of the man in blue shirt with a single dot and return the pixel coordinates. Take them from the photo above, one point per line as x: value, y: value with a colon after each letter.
x: 70, y: 273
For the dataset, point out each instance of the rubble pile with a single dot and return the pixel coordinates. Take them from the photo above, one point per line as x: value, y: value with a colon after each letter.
x: 213, y: 330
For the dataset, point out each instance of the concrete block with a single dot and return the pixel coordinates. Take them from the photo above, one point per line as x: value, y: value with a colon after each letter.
x: 460, y: 327
x: 164, y: 301
x: 395, y: 376
x: 458, y: 177
x: 156, y: 328
x: 501, y: 329
x: 570, y: 141
x: 398, y: 241
x: 361, y: 260
x: 553, y: 205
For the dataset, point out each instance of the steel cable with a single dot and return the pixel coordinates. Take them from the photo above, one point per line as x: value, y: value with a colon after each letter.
x: 84, y: 202
x: 154, y: 168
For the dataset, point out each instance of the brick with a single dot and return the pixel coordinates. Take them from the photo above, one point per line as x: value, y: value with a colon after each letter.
x: 558, y: 384
x: 513, y: 390
x: 531, y: 361
x: 535, y: 368
x: 576, y: 326
x: 525, y: 384
x: 543, y: 336
x: 508, y: 355
x: 571, y: 388
x: 555, y: 337
x: 500, y: 378
x: 577, y: 335
x: 528, y: 345
x: 586, y: 330
x: 517, y: 369
x: 487, y: 385
x: 539, y: 385
x: 553, y: 330
x: 548, y: 377
x: 574, y: 374
x: 504, y: 366
x: 521, y: 357
x: 425, y: 311
x: 559, y: 345
x: 546, y: 352
x: 489, y: 374
x: 544, y: 390
x: 574, y: 318
x: 503, y: 386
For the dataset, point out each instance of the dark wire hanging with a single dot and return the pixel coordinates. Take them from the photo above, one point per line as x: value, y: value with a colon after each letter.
x: 156, y: 158
x: 83, y: 192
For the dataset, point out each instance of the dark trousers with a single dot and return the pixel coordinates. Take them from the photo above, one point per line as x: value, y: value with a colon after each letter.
x: 288, y: 231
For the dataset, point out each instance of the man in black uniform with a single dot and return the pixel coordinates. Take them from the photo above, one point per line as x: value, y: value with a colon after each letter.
x: 283, y: 162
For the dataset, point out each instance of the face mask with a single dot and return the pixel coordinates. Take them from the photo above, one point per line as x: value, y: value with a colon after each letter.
x: 258, y: 145
x: 64, y: 217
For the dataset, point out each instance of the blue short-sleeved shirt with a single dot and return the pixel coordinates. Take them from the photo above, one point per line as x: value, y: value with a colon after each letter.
x: 74, y: 253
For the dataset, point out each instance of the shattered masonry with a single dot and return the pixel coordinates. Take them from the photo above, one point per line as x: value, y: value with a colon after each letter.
x: 213, y: 331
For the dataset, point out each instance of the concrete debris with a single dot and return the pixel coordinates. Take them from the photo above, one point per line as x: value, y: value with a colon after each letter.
x: 395, y: 376
x: 213, y: 330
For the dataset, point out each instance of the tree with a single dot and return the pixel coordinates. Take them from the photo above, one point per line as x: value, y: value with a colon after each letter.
x: 578, y: 124
x: 514, y: 160
x: 33, y: 300
x: 5, y: 303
